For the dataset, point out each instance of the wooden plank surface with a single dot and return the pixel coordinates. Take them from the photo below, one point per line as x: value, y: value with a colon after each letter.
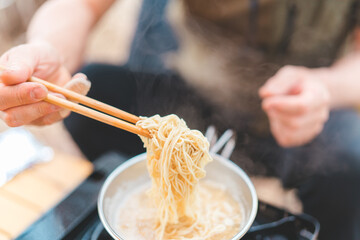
x: 27, y: 196
x: 65, y: 171
x: 15, y: 215
x: 4, y: 235
x: 33, y: 185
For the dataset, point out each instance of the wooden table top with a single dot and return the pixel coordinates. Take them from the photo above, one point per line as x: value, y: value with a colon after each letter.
x: 30, y: 194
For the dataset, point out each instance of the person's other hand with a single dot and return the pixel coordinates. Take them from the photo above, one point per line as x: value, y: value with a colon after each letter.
x: 20, y: 101
x: 297, y: 105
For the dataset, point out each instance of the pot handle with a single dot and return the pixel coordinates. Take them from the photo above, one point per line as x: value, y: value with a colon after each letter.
x: 226, y: 142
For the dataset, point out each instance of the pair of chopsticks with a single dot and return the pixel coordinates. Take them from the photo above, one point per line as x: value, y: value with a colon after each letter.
x: 114, y: 114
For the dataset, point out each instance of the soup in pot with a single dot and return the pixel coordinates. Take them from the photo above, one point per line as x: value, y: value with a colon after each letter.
x: 220, y: 216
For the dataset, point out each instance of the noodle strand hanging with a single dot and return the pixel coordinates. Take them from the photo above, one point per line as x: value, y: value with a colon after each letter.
x: 176, y: 157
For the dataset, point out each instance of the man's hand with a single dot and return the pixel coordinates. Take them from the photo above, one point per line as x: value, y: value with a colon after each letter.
x: 20, y: 101
x: 297, y: 105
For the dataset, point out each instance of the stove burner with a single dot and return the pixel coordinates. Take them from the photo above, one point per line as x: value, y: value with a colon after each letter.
x: 99, y: 232
x: 76, y: 218
x: 276, y: 224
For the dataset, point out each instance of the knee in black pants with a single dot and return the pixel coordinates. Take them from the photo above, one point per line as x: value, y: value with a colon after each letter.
x: 115, y: 86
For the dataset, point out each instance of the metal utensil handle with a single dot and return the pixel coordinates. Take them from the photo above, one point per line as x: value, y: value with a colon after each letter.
x: 226, y: 142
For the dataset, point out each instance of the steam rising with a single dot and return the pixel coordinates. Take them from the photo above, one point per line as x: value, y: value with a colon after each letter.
x: 223, y: 65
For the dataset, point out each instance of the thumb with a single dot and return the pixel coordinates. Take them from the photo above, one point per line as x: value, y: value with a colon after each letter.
x: 17, y: 65
x: 285, y: 82
x: 39, y: 59
x: 15, y: 74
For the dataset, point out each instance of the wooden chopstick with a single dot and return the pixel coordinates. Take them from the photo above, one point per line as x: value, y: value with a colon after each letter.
x: 96, y: 115
x: 90, y: 102
x: 85, y: 100
x: 93, y: 104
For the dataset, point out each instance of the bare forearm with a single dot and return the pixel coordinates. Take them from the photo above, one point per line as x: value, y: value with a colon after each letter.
x: 343, y: 81
x: 66, y: 24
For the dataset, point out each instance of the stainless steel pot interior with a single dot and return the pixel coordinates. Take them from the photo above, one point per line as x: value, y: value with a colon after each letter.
x: 133, y: 173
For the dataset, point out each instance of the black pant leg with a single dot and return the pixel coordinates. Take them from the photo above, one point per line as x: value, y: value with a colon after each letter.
x: 334, y: 200
x: 326, y: 173
x: 115, y: 86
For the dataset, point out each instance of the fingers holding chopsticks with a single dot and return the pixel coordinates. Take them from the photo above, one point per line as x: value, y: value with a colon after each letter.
x: 26, y: 114
x: 21, y: 94
x: 21, y: 101
x: 43, y: 113
x: 23, y: 104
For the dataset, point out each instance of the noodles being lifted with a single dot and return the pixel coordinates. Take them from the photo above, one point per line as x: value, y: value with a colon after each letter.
x: 176, y: 158
x: 177, y: 207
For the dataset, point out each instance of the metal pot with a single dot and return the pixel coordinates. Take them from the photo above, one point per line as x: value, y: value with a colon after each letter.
x: 133, y: 173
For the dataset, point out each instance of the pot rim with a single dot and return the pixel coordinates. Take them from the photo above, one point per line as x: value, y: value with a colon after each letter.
x: 142, y: 157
